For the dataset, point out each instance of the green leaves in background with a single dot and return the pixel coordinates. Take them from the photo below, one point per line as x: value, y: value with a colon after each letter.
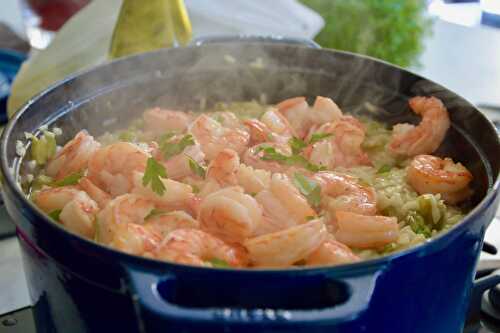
x: 391, y: 30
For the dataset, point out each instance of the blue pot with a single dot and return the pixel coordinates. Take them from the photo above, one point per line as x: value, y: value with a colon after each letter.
x: 79, y: 286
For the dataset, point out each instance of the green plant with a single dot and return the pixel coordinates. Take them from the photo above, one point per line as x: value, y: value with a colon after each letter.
x: 392, y: 30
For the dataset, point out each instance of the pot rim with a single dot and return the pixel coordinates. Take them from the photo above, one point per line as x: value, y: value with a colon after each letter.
x: 425, y: 247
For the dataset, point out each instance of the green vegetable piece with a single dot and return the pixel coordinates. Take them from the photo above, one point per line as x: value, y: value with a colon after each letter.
x: 270, y: 154
x: 417, y: 224
x: 40, y: 181
x: 43, y: 148
x: 297, y: 145
x: 196, y: 168
x: 153, y: 174
x: 72, y: 179
x: 310, y: 189
x: 317, y: 137
x: 432, y: 210
x: 55, y: 214
x: 170, y: 149
x: 219, y: 263
x: 310, y: 218
x: 384, y: 169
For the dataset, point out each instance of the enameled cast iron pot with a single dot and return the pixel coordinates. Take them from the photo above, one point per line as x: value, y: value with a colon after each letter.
x: 79, y: 286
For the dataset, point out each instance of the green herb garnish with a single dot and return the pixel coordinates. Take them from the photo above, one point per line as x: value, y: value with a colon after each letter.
x: 170, y: 149
x: 308, y: 188
x: 384, y: 169
x: 196, y: 168
x: 310, y: 218
x: 219, y: 263
x: 317, y: 137
x: 297, y: 145
x: 271, y: 154
x: 153, y: 174
x: 72, y: 179
x: 55, y: 214
x: 195, y: 188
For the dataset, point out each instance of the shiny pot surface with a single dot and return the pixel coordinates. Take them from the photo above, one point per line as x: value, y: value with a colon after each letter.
x: 79, y: 286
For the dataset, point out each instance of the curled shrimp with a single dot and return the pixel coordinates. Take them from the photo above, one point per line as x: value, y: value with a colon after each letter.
x: 343, y: 148
x: 431, y: 174
x: 425, y: 138
x: 230, y: 214
x: 165, y: 223
x: 363, y: 231
x: 227, y: 119
x: 160, y: 121
x: 102, y: 198
x: 176, y: 196
x: 286, y: 247
x: 331, y: 252
x: 213, y: 137
x: 254, y: 157
x: 342, y: 192
x: 111, y: 168
x: 223, y: 167
x: 283, y: 206
x: 122, y: 210
x: 134, y: 239
x: 301, y: 117
x: 178, y: 166
x: 198, y: 248
x: 73, y: 157
x: 77, y: 209
x: 272, y: 127
x: 226, y: 169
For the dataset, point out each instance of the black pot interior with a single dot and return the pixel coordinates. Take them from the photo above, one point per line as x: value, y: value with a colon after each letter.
x: 107, y: 97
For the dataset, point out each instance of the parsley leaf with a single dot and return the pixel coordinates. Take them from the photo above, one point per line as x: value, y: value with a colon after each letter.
x: 196, y: 168
x: 72, y: 179
x: 271, y: 154
x: 55, y: 214
x: 310, y: 189
x: 153, y: 174
x: 170, y: 149
x: 297, y: 145
x: 219, y: 263
x: 384, y: 169
x: 316, y: 137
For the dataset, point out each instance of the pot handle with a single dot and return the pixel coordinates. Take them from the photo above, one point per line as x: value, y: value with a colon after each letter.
x: 255, y: 39
x: 157, y: 300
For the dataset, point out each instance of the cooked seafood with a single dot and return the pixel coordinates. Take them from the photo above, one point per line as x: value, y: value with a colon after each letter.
x: 293, y: 185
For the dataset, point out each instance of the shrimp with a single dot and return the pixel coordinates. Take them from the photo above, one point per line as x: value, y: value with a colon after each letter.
x: 226, y: 169
x: 331, y: 252
x: 230, y: 214
x: 227, y: 119
x: 343, y: 148
x: 286, y: 247
x: 342, y: 192
x: 425, y: 138
x: 301, y: 117
x: 278, y: 125
x: 102, y: 198
x: 73, y: 157
x: 177, y: 195
x: 111, y: 168
x: 78, y: 210
x: 122, y: 210
x: 178, y: 166
x: 283, y: 205
x: 363, y: 231
x: 431, y: 174
x: 165, y: 223
x: 198, y: 248
x: 223, y: 167
x: 134, y: 239
x: 254, y: 157
x: 213, y: 137
x: 160, y: 121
